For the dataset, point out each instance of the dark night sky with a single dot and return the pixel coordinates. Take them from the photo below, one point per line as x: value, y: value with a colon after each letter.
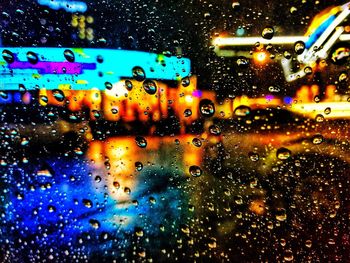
x: 159, y: 25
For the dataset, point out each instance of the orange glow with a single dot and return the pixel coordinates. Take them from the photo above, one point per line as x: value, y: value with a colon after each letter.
x: 257, y: 207
x: 137, y: 105
x: 260, y: 57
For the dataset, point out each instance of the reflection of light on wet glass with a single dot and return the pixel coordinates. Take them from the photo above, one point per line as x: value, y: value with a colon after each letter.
x: 122, y: 153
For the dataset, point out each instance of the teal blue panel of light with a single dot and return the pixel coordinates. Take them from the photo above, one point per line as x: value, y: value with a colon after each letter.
x: 90, y: 68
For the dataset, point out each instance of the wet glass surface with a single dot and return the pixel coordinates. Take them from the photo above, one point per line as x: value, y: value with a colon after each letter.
x: 188, y: 131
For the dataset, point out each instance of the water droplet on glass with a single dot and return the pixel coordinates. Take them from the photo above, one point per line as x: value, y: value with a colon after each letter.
x: 187, y: 113
x: 317, y: 139
x: 343, y: 77
x: 238, y: 199
x: 253, y: 156
x: 185, y: 81
x: 317, y: 99
x: 141, y: 141
x: 94, y: 223
x: 195, y: 170
x: 242, y: 111
x: 138, y: 166
x: 96, y: 114
x: 8, y: 56
x: 43, y: 99
x: 139, y: 232
x: 283, y: 153
x: 288, y: 255
x: 299, y: 47
x: 308, y: 70
x: 319, y: 118
x: 108, y: 85
x: 281, y: 214
x: 138, y: 73
x: 99, y: 59
x: 267, y: 32
x: 127, y: 190
x: 152, y: 200
x: 207, y: 108
x: 32, y: 57
x: 116, y: 184
x: 308, y: 243
x: 214, y: 129
x: 150, y: 87
x: 69, y: 55
x: 128, y: 85
x: 287, y: 54
x: 3, y: 95
x: 196, y: 142
x: 327, y: 110
x: 87, y: 203
x: 242, y: 62
x: 235, y: 5
x: 58, y: 95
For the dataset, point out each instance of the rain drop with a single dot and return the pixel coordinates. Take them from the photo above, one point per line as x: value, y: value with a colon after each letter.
x: 195, y: 171
x: 69, y: 55
x: 150, y: 87
x: 207, y: 108
x: 141, y: 141
x: 138, y: 73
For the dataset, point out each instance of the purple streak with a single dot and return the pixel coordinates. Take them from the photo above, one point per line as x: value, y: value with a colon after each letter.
x: 54, y: 67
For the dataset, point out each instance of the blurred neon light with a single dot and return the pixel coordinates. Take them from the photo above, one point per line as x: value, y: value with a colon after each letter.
x: 54, y: 67
x: 91, y: 68
x: 68, y: 6
x: 249, y: 41
x: 338, y: 109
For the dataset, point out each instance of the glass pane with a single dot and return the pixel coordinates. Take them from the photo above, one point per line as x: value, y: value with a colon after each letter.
x: 174, y: 131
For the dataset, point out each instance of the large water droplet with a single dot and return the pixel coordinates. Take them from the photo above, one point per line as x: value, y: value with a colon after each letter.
x: 214, y: 129
x: 150, y: 87
x: 283, y: 153
x: 299, y: 47
x: 196, y: 142
x: 108, y: 85
x: 8, y: 56
x: 319, y: 118
x: 317, y: 139
x: 69, y: 55
x: 207, y: 108
x: 58, y: 95
x: 268, y: 32
x: 138, y: 166
x: 242, y: 111
x: 195, y: 170
x: 138, y: 73
x: 185, y: 81
x: 141, y: 141
x: 327, y: 110
x: 128, y: 85
x: 32, y: 57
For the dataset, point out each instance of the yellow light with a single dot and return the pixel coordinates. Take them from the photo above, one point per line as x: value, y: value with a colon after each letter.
x: 260, y: 56
x: 118, y: 90
x: 188, y: 99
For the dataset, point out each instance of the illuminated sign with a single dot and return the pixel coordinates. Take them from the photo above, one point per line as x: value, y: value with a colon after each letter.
x: 69, y: 6
x: 84, y: 69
